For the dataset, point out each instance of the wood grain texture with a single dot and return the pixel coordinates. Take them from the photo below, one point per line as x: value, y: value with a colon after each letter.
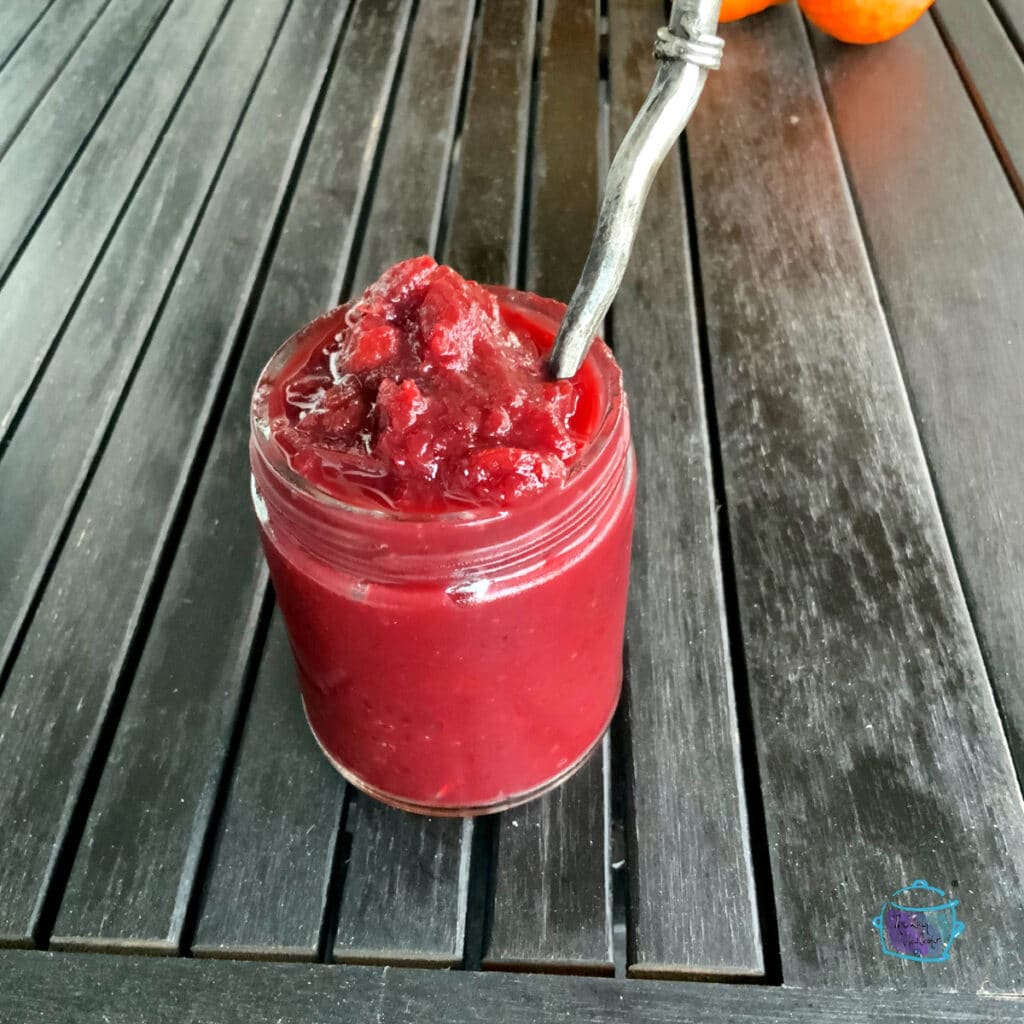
x: 135, y: 870
x: 279, y: 786
x: 49, y: 455
x: 552, y: 907
x: 881, y: 752
x: 404, y: 898
x: 68, y: 672
x: 32, y: 168
x: 20, y: 17
x: 267, y: 887
x: 691, y: 886
x: 47, y: 278
x: 552, y: 881
x: 484, y: 235
x: 994, y: 75
x: 26, y: 77
x: 564, y: 185
x: 123, y: 990
x: 409, y: 198
x: 946, y: 215
x: 404, y: 895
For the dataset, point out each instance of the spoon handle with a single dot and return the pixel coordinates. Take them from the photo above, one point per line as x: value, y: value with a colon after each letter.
x: 686, y: 50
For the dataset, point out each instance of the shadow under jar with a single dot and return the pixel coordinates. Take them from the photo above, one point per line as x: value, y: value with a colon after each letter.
x: 464, y: 661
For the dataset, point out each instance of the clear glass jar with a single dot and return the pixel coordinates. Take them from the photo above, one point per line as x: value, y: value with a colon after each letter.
x: 465, y: 662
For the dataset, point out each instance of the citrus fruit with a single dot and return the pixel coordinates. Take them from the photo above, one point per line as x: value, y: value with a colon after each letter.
x: 733, y: 10
x: 863, y: 21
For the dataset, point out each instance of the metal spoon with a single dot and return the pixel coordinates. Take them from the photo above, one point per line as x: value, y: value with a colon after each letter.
x: 686, y: 50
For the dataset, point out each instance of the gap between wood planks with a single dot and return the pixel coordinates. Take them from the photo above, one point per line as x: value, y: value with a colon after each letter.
x: 1013, y: 173
x: 26, y: 33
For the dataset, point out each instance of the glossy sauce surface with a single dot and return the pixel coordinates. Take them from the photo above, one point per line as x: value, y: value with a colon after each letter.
x: 423, y: 397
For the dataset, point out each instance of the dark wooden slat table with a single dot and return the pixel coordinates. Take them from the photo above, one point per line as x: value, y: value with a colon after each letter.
x: 79, y: 393
x: 822, y: 332
x: 116, y: 545
x: 269, y: 879
x: 406, y: 888
x: 963, y: 356
x: 552, y: 880
x: 158, y: 990
x: 691, y: 869
x: 195, y: 701
x: 490, y: 171
x: 20, y: 18
x: 50, y: 143
x: 54, y: 263
x: 869, y: 750
x: 994, y: 74
x: 312, y: 260
x: 408, y: 876
x: 27, y: 76
x: 1011, y: 12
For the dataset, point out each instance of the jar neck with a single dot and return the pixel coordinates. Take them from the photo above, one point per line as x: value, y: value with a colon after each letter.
x: 485, y: 543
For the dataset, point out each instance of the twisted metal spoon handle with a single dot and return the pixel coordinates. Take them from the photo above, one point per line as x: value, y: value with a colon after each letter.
x: 686, y: 50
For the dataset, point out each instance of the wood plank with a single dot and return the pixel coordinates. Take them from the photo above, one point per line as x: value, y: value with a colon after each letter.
x: 52, y: 450
x: 20, y: 17
x: 279, y: 782
x: 404, y: 895
x: 46, y: 986
x: 552, y: 903
x: 691, y: 886
x: 32, y: 168
x: 404, y: 898
x: 994, y: 74
x: 881, y: 752
x: 552, y: 894
x: 406, y: 214
x: 47, y: 278
x: 484, y: 237
x: 271, y: 866
x: 967, y: 398
x: 564, y: 187
x: 134, y: 875
x: 68, y: 674
x: 1012, y: 14
x: 33, y: 69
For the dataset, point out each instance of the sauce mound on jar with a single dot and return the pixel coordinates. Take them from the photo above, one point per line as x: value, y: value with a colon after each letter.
x: 431, y: 397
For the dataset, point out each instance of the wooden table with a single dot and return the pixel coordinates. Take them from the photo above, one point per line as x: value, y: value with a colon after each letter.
x: 822, y: 331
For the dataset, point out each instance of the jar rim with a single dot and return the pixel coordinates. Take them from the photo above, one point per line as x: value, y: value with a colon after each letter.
x: 607, y: 372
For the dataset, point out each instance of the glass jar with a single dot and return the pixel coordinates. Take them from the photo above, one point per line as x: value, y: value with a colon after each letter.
x: 464, y: 662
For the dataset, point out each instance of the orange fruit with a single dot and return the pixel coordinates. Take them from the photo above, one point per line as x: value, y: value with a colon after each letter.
x: 733, y: 10
x: 864, y: 21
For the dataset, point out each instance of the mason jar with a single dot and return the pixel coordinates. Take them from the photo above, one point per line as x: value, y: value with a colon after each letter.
x: 467, y: 661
